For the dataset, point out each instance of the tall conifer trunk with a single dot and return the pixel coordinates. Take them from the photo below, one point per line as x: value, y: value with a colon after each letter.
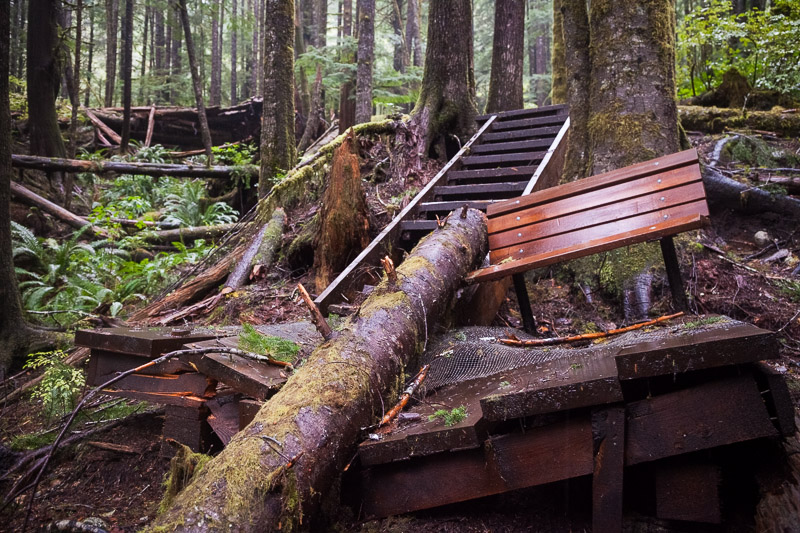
x: 579, y: 73
x: 234, y: 43
x: 112, y: 18
x: 347, y: 101
x: 559, y: 68
x: 127, y: 71
x: 508, y: 53
x: 366, y: 53
x: 215, y: 89
x: 175, y: 53
x: 412, y: 33
x: 89, y: 60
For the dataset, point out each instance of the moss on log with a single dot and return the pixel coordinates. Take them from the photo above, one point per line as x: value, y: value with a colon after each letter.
x: 317, y: 415
x: 717, y: 120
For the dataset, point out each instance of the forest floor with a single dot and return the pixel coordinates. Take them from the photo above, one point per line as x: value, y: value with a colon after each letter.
x: 726, y: 268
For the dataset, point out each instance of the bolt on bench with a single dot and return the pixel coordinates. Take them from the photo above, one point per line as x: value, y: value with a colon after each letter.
x: 644, y: 202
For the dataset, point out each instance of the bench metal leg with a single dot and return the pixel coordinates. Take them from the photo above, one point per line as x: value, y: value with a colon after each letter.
x: 674, y: 274
x: 528, y: 322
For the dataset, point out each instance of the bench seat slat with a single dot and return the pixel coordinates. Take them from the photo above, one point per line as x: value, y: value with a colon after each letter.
x: 601, y: 181
x: 588, y: 203
x: 617, y: 211
x: 634, y: 236
x: 606, y: 230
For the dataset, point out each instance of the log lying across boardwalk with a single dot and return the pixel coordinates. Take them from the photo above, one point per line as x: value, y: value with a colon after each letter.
x: 49, y: 164
x: 317, y: 416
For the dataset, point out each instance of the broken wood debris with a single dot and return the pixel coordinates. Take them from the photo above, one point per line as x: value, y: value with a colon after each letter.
x: 405, y: 397
x: 316, y: 317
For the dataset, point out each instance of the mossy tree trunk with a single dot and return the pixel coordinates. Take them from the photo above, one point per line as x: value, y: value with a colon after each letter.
x: 575, y: 20
x: 634, y: 116
x: 126, y: 71
x: 112, y: 25
x: 559, y: 68
x: 446, y: 103
x: 365, y: 58
x: 344, y: 223
x: 508, y: 52
x: 321, y: 409
x: 278, y: 152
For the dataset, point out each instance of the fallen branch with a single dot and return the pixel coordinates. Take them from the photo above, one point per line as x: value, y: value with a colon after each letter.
x: 29, y: 197
x: 316, y: 317
x: 405, y: 397
x: 192, y: 233
x: 513, y: 341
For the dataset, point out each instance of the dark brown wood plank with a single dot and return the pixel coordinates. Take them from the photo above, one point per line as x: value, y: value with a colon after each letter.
x: 688, y: 349
x: 191, y: 383
x: 550, y: 453
x: 688, y: 490
x: 513, y: 146
x: 528, y: 123
x: 515, y: 158
x: 582, y: 380
x: 248, y: 409
x: 422, y: 436
x: 447, y: 207
x: 776, y: 395
x: 252, y: 378
x: 601, y: 181
x: 705, y: 416
x: 480, y: 189
x: 144, y: 342
x: 178, y: 400
x: 189, y: 427
x: 608, y: 434
x: 418, y: 225
x: 605, y: 232
x: 558, y: 109
x: 224, y: 418
x: 594, y: 199
x: 104, y: 365
x: 529, y: 133
x: 521, y: 172
x: 548, y: 173
x: 654, y: 232
x: 607, y: 214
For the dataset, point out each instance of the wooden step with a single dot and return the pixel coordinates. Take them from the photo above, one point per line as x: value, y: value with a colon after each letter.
x: 555, y: 120
x: 517, y: 146
x: 431, y: 208
x: 481, y: 191
x: 517, y: 158
x: 559, y: 109
x: 528, y: 133
x: 486, y: 175
x: 418, y: 226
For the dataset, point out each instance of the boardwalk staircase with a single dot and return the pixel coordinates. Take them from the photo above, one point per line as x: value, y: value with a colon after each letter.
x: 513, y: 153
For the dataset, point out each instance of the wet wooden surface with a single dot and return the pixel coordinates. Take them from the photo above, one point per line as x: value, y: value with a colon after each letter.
x: 688, y: 489
x: 144, y: 342
x: 608, y: 434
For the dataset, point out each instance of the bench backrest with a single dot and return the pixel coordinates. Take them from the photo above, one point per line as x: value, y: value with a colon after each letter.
x: 642, y: 202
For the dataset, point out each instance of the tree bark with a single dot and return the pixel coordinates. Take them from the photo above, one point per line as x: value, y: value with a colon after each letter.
x: 89, y: 60
x: 727, y: 193
x: 127, y: 71
x: 314, y: 115
x: 400, y: 58
x: 175, y: 53
x: 278, y: 151
x: 559, y: 70
x: 190, y: 234
x: 318, y: 414
x: 215, y: 89
x: 344, y: 222
x: 414, y: 52
x: 112, y: 18
x: 205, y: 134
x: 74, y: 96
x: 446, y: 103
x: 255, y: 57
x: 365, y: 58
x: 633, y: 115
x: 142, y: 73
x: 261, y: 251
x: 234, y: 45
x: 508, y: 53
x: 539, y: 51
x: 347, y: 102
x: 579, y: 75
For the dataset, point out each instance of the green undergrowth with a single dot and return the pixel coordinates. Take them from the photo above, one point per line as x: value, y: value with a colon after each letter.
x: 451, y: 417
x: 182, y: 468
x: 251, y: 340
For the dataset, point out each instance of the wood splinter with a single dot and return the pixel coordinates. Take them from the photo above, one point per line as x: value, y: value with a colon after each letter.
x: 464, y: 211
x: 440, y: 222
x: 316, y: 316
x: 388, y: 267
x: 405, y: 397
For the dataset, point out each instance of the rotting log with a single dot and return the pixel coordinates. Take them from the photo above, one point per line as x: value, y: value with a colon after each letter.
x: 48, y: 164
x: 260, y: 251
x: 728, y: 193
x: 29, y: 197
x: 717, y: 120
x: 318, y: 414
x: 191, y: 233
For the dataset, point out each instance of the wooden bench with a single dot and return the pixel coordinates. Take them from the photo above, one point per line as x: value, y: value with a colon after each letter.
x: 644, y: 202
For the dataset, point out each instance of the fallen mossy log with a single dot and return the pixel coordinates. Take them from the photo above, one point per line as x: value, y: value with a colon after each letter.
x: 717, y: 120
x: 48, y: 164
x: 26, y: 196
x: 190, y: 234
x: 317, y: 416
x: 728, y: 193
x: 260, y: 251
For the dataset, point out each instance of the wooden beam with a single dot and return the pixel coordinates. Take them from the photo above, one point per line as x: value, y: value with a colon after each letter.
x: 151, y: 122
x: 101, y: 126
x: 688, y: 489
x: 548, y: 173
x: 608, y: 434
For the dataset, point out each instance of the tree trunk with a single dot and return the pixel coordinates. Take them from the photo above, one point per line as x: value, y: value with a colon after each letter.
x: 89, y: 60
x: 413, y: 43
x: 347, y: 101
x: 559, y: 85
x: 112, y: 17
x: 366, y: 56
x: 278, y: 151
x: 15, y: 336
x: 633, y: 115
x: 539, y: 51
x: 74, y: 96
x: 314, y: 116
x: 143, y: 71
x: 318, y: 414
x: 446, y: 102
x: 234, y: 30
x: 255, y: 58
x: 175, y: 52
x: 160, y: 54
x: 261, y: 251
x: 508, y: 54
x: 215, y: 90
x: 344, y: 223
x: 44, y: 73
x: 205, y: 134
x: 579, y: 75
x: 319, y: 22
x: 400, y: 58
x: 127, y: 68
x: 29, y: 197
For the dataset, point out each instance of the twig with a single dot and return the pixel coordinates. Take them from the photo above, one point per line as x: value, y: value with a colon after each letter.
x: 789, y: 322
x: 388, y: 267
x: 316, y: 316
x: 405, y: 397
x: 585, y: 336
